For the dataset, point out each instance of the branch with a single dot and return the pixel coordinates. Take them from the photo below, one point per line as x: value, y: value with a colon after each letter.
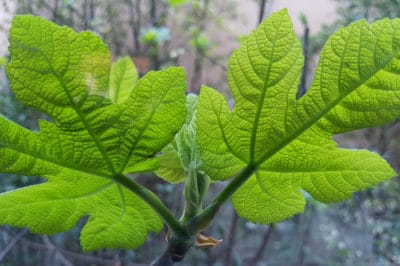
x: 71, y: 7
x: 262, y: 11
x: 175, y: 251
x: 58, y: 254
x: 88, y: 259
x: 258, y: 256
x: 302, y: 87
x: 305, y: 236
x: 12, y: 243
x: 163, y: 260
x: 231, y: 239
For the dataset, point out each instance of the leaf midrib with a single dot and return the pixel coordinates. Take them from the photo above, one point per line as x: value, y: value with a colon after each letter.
x: 286, y: 141
x: 261, y: 104
x: 62, y: 164
x: 139, y: 136
x: 83, y: 196
x: 70, y: 98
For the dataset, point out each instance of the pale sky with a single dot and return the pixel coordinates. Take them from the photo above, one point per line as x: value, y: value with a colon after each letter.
x: 5, y: 19
x: 317, y: 12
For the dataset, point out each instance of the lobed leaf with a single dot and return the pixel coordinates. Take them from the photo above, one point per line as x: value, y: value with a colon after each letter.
x: 90, y: 140
x: 288, y: 142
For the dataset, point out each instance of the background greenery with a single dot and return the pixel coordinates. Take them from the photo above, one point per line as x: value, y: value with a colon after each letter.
x: 159, y: 33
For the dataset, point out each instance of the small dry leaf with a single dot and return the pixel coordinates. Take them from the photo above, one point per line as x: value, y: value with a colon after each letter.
x: 206, y: 241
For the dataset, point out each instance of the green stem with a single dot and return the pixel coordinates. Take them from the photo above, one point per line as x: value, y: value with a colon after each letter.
x: 231, y: 188
x: 201, y: 221
x: 191, y: 193
x: 151, y: 199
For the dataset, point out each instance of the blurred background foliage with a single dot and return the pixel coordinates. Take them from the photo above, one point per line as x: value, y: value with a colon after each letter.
x: 158, y: 33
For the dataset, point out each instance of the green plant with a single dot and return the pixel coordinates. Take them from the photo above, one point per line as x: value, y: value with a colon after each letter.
x: 271, y: 146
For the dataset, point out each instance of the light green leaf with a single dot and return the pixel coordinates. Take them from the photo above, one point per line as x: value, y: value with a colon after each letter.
x: 91, y: 140
x: 171, y: 168
x: 123, y: 77
x: 328, y: 174
x: 219, y: 160
x: 152, y: 115
x: 288, y: 142
x: 3, y: 61
x: 176, y: 3
x: 177, y: 156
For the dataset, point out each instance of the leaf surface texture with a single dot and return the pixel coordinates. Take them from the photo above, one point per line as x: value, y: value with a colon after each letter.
x: 287, y: 141
x: 90, y: 139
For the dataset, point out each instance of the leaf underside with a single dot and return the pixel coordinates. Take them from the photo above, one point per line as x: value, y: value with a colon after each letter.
x: 92, y: 139
x: 289, y: 141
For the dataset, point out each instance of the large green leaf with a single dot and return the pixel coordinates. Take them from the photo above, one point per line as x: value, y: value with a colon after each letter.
x: 65, y: 75
x: 288, y: 142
